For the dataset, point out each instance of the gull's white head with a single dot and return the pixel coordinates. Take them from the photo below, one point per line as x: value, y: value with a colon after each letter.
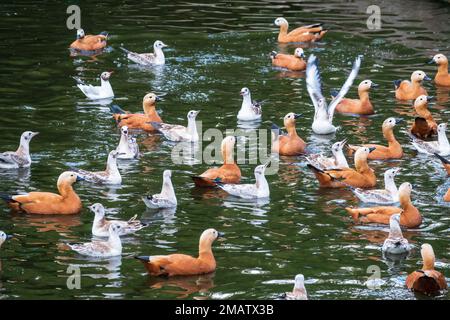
x: 259, y: 170
x: 391, y: 173
x: 3, y: 237
x: 159, y: 44
x: 245, y: 91
x: 299, y: 281
x: 106, y: 75
x: 280, y: 21
x: 113, y: 155
x: 442, y: 127
x: 80, y: 34
x: 114, y: 228
x: 98, y: 210
x: 26, y: 137
x: 192, y: 114
x: 338, y: 146
x: 299, y: 53
x: 124, y: 131
x: 167, y: 174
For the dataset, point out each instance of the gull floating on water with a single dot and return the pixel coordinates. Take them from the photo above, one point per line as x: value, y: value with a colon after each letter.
x: 440, y: 147
x: 148, y: 59
x: 100, y: 226
x: 104, y: 91
x: 299, y: 291
x: 110, y: 248
x: 128, y: 147
x: 250, y: 110
x: 338, y: 161
x: 110, y: 175
x: 395, y: 243
x: 21, y: 157
x: 177, y: 133
x: 387, y: 195
x: 165, y: 199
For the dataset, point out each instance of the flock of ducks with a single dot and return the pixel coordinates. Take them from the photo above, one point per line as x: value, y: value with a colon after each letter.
x: 330, y: 172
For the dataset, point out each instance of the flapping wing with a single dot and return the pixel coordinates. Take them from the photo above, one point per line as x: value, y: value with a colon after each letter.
x: 313, y: 82
x: 347, y: 84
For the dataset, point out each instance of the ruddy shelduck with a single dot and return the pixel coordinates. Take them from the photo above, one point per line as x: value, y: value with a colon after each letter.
x: 442, y: 77
x: 441, y: 146
x: 324, y: 113
x: 299, y: 291
x: 382, y: 196
x: 102, y: 249
x: 426, y: 280
x: 289, y: 144
x: 4, y: 237
x: 410, y: 216
x: 66, y: 202
x: 178, y: 133
x: 21, y: 157
x: 87, y: 42
x: 361, y: 106
x: 395, y: 243
x: 360, y: 177
x: 338, y: 161
x: 182, y: 264
x: 229, y: 172
x: 166, y: 198
x: 104, y: 91
x: 394, y: 149
x: 156, y: 58
x: 293, y: 62
x: 424, y: 125
x: 310, y: 33
x: 139, y: 121
x: 410, y: 90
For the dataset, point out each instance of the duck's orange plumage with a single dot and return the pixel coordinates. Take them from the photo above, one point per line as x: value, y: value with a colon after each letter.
x: 410, y: 216
x: 424, y: 126
x: 182, y: 264
x: 293, y: 62
x: 289, y: 144
x: 309, y: 33
x: 394, y: 149
x: 360, y: 177
x: 442, y: 77
x: 66, y: 202
x: 89, y: 42
x: 229, y: 172
x: 362, y: 105
x: 410, y: 90
x: 426, y: 280
x: 139, y: 121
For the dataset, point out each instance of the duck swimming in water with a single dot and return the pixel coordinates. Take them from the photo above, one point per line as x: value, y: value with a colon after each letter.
x: 293, y: 62
x: 446, y: 164
x: 387, y: 195
x: 299, y: 291
x: 395, y: 243
x: 165, y: 199
x: 442, y: 77
x: 3, y: 238
x: 100, y: 226
x: 424, y: 125
x: 309, y: 33
x: 360, y: 177
x: 66, y: 202
x: 323, y: 114
x: 21, y: 157
x: 426, y: 280
x: 229, y: 172
x: 104, y: 91
x: 410, y: 90
x: 89, y: 42
x: 139, y: 121
x: 110, y: 175
x: 250, y: 110
x: 361, y: 106
x: 410, y: 216
x: 338, y: 161
x: 441, y: 146
x: 177, y: 133
x: 394, y: 149
x: 249, y: 191
x: 182, y: 264
x: 289, y: 144
x: 102, y: 249
x: 128, y: 147
x: 148, y: 59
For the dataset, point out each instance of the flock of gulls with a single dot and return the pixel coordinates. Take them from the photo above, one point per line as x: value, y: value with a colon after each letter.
x: 389, y: 206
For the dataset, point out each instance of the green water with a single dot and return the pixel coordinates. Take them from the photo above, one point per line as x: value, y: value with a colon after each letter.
x: 215, y: 50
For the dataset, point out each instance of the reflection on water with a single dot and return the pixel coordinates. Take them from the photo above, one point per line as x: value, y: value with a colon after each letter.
x: 195, y: 287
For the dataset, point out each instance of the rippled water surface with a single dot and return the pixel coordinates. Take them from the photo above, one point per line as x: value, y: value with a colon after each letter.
x: 215, y: 50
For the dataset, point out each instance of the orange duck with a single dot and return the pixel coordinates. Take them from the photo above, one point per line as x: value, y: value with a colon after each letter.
x: 229, y: 172
x: 446, y: 164
x: 362, y: 105
x: 362, y: 177
x: 426, y: 280
x: 424, y: 126
x: 442, y: 77
x: 66, y: 202
x: 293, y: 62
x: 394, y: 149
x: 309, y: 33
x: 410, y: 90
x: 139, y: 121
x: 182, y: 264
x: 289, y: 144
x: 409, y: 215
x: 89, y: 42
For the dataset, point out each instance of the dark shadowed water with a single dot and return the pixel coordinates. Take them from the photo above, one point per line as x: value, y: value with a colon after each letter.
x: 215, y: 50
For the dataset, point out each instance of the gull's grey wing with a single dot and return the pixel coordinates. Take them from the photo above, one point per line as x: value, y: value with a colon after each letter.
x: 313, y: 82
x: 347, y: 84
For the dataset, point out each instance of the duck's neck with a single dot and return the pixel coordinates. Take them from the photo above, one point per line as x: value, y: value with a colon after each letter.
x: 167, y: 190
x: 227, y: 155
x: 389, y: 185
x: 362, y: 166
x: 66, y: 190
x: 246, y: 102
x: 363, y: 96
x: 192, y: 128
x: 292, y: 132
x: 395, y: 232
x: 388, y: 133
x: 428, y: 260
x: 149, y: 109
x: 405, y: 201
x: 442, y: 140
x: 283, y: 30
x: 205, y: 251
x: 416, y: 83
x: 422, y: 110
x: 443, y: 69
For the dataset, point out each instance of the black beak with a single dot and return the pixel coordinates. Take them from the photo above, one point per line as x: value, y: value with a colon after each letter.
x: 371, y: 149
x: 398, y: 120
x: 297, y: 115
x: 8, y: 236
x: 374, y: 85
x: 220, y: 234
x: 80, y: 178
x: 431, y: 61
x: 427, y: 78
x: 430, y: 98
x: 104, y: 33
x: 157, y: 99
x: 143, y: 258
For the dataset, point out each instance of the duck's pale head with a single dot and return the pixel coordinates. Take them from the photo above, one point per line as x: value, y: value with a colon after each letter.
x: 419, y: 75
x: 151, y: 98
x: 299, y: 53
x: 363, y: 152
x: 439, y: 59
x: 422, y: 100
x: 405, y: 189
x: 366, y: 85
x: 210, y: 235
x: 290, y: 118
x: 69, y: 177
x: 280, y: 21
x: 391, y: 122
